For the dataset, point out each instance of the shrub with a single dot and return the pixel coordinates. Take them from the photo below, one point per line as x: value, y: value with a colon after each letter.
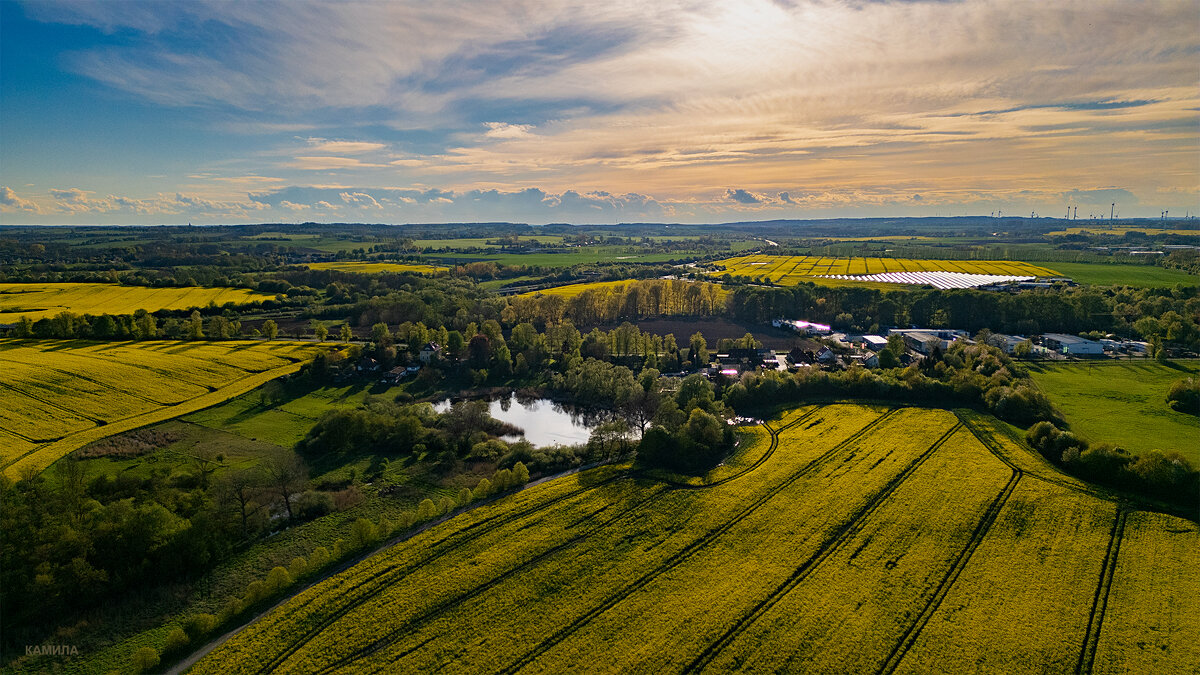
x: 199, y: 625
x: 312, y: 504
x: 177, y: 639
x: 426, y: 510
x: 1184, y: 395
x: 483, y: 489
x: 363, y: 533
x: 520, y: 473
x: 318, y: 558
x: 144, y: 659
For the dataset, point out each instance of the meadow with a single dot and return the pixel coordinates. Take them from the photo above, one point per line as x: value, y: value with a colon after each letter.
x: 791, y: 270
x: 848, y: 538
x: 377, y: 267
x: 1123, y: 402
x: 61, y: 395
x: 39, y: 301
x: 1141, y: 276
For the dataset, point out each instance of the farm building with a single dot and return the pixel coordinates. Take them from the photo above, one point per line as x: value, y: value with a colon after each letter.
x: 1006, y: 343
x: 875, y: 342
x: 1070, y: 344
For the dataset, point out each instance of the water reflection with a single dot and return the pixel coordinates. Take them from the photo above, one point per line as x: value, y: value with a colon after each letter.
x: 545, y: 422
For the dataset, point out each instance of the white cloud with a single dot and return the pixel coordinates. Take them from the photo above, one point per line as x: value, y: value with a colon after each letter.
x: 504, y: 130
x: 10, y: 201
x: 343, y: 147
x: 312, y: 163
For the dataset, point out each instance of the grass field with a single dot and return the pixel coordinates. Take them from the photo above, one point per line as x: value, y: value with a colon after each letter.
x: 1145, y: 276
x: 38, y: 301
x: 1123, y: 403
x: 791, y: 270
x: 567, y: 258
x: 60, y: 395
x: 377, y: 267
x: 847, y: 538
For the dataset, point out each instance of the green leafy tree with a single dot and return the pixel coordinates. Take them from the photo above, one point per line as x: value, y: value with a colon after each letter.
x: 270, y: 329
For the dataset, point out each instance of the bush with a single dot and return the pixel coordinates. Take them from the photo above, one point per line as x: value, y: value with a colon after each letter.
x: 427, y: 510
x: 144, y: 659
x: 483, y: 489
x: 312, y: 504
x: 1184, y: 396
x: 199, y: 625
x: 176, y: 641
x: 277, y: 580
x: 363, y: 533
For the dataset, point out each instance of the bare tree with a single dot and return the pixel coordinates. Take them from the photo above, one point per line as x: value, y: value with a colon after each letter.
x: 285, y: 474
x: 240, y: 487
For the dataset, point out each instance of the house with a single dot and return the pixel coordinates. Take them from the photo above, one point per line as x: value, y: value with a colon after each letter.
x: 367, y: 365
x: 801, y: 357
x: 1070, y: 344
x: 429, y: 352
x: 825, y: 355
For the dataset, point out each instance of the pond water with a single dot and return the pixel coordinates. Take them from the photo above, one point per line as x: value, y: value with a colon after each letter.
x: 545, y: 422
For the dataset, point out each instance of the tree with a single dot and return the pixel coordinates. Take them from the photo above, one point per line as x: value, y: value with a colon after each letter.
x: 380, y: 334
x: 345, y: 334
x: 319, y: 330
x: 286, y: 474
x: 698, y: 350
x: 239, y: 488
x: 270, y: 329
x: 194, y: 328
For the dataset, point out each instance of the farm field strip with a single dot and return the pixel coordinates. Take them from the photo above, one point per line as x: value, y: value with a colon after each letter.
x: 1027, y: 591
x: 1087, y: 655
x: 472, y: 589
x: 61, y: 395
x: 786, y: 539
x: 697, y: 545
x: 45, y: 300
x: 878, y: 576
x: 398, y: 563
x: 1149, y: 623
x: 790, y: 270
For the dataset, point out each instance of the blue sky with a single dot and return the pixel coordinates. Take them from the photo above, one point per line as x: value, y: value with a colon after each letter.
x: 689, y: 111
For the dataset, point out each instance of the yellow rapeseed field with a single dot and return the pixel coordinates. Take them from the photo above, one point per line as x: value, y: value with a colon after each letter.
x: 377, y: 267
x: 39, y: 301
x: 791, y: 270
x: 848, y: 538
x: 56, y: 396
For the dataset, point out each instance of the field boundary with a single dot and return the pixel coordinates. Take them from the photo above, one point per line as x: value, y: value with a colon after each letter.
x: 832, y: 544
x: 1091, y: 639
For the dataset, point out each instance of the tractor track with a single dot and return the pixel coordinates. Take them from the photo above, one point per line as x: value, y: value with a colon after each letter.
x: 1091, y: 640
x: 692, y: 549
x: 832, y: 543
x: 960, y: 562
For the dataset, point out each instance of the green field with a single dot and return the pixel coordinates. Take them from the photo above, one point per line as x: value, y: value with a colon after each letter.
x: 567, y: 258
x: 61, y: 395
x: 1123, y: 403
x: 857, y: 539
x: 1146, y: 276
x: 40, y: 301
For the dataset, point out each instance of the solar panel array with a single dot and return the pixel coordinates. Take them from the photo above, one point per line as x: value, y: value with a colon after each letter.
x: 935, y: 279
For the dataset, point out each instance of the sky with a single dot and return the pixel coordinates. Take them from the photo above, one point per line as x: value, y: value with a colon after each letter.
x: 694, y: 111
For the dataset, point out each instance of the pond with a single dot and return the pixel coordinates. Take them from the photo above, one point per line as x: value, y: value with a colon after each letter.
x: 545, y: 422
